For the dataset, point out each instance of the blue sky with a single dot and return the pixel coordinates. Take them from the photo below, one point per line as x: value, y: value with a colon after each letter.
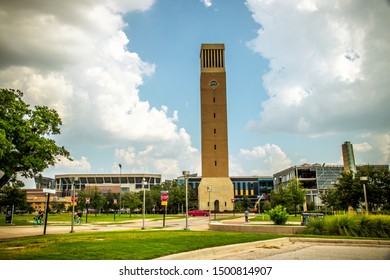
x: 170, y: 37
x: 302, y: 78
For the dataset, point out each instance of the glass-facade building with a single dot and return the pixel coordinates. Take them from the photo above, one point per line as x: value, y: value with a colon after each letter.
x: 252, y: 187
x: 315, y: 178
x: 113, y: 183
x: 244, y: 186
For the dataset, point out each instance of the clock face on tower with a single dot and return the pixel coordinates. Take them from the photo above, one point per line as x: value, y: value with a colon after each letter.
x: 213, y: 84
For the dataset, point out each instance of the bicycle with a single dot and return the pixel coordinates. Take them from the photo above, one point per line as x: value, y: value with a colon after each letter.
x: 37, y: 222
x: 77, y: 221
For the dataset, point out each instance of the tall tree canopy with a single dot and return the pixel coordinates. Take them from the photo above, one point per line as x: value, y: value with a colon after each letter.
x: 298, y: 193
x: 289, y: 196
x: 24, y: 144
x: 349, y: 190
x: 12, y: 194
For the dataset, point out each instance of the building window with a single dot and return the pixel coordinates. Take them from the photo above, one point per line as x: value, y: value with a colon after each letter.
x: 215, y: 131
x: 215, y: 147
x: 215, y: 163
x: 214, y: 115
x: 213, y: 99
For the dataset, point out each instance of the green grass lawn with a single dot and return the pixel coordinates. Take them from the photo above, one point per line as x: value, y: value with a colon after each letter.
x: 118, y: 245
x: 27, y: 219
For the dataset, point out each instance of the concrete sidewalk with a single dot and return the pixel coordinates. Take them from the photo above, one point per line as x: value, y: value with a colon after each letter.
x: 292, y: 248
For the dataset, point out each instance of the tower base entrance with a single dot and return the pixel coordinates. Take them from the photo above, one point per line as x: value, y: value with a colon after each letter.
x: 218, y: 191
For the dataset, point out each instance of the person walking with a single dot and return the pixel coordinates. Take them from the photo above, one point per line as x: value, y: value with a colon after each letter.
x: 246, y: 213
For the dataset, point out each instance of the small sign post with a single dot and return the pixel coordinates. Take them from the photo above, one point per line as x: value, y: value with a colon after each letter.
x: 115, y: 203
x: 48, y: 192
x: 9, y: 216
x: 233, y: 200
x: 87, y: 201
x: 164, y: 202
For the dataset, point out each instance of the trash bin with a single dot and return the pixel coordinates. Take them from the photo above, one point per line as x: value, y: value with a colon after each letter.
x: 307, y: 216
x: 8, y: 215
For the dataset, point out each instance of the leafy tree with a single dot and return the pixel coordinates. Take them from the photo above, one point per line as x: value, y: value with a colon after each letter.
x: 150, y: 200
x: 265, y: 206
x: 96, y: 200
x: 109, y: 201
x: 24, y: 144
x: 298, y: 194
x: 289, y: 196
x: 177, y: 197
x: 80, y: 202
x: 246, y: 202
x: 131, y: 200
x: 57, y: 206
x: 242, y: 205
x: 347, y: 193
x: 153, y: 199
x: 349, y: 190
x: 377, y: 187
x: 13, y: 194
x: 282, y: 197
x: 330, y: 198
x: 193, y: 198
x: 311, y: 206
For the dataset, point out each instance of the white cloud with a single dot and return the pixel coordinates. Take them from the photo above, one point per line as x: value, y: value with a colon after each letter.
x: 375, y: 150
x: 169, y: 157
x: 74, y: 56
x: 362, y: 147
x: 325, y: 74
x: 66, y: 166
x: 129, y: 6
x: 268, y: 160
x: 207, y: 3
x: 76, y: 165
x: 327, y: 66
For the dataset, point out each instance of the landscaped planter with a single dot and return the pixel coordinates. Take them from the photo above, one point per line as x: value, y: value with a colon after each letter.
x: 273, y: 229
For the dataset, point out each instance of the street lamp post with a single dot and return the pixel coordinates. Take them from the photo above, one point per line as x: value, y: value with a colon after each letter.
x: 120, y: 189
x: 73, y: 201
x: 186, y: 174
x: 258, y: 201
x: 209, y: 189
x: 143, y: 204
x: 365, y: 179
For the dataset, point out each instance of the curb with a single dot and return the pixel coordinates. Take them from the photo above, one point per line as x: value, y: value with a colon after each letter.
x: 215, y: 252
x: 341, y: 241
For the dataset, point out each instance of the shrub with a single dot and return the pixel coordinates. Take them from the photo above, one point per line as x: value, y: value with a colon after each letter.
x: 380, y: 226
x: 316, y: 226
x: 351, y: 225
x: 278, y: 215
x: 348, y: 225
x: 366, y: 226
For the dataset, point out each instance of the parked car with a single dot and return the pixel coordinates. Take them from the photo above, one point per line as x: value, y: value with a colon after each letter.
x: 198, y: 213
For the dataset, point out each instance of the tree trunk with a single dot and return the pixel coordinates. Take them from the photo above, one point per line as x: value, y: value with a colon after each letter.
x: 4, y: 180
x: 295, y: 209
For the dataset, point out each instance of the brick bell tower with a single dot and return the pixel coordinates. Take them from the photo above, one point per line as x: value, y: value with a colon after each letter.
x: 215, y: 157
